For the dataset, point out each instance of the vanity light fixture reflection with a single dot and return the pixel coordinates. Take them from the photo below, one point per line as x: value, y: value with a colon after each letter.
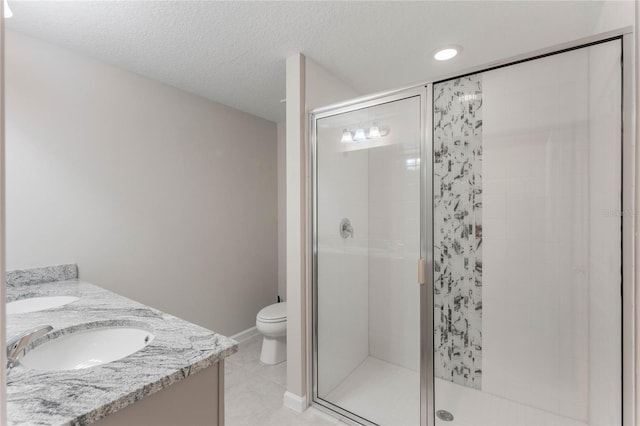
x: 363, y: 133
x: 374, y: 131
x: 347, y: 137
x: 359, y: 135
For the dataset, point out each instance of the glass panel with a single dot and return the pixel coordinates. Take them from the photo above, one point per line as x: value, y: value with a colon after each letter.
x: 368, y: 243
x: 527, y: 258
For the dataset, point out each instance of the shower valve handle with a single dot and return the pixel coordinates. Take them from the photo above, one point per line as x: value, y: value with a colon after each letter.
x: 346, y: 230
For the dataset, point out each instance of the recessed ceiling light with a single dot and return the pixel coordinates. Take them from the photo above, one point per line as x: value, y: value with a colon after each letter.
x: 447, y: 53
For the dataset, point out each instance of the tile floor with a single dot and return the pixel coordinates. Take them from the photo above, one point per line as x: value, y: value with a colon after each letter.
x: 254, y: 392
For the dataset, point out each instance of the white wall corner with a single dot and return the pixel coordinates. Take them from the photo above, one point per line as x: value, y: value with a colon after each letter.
x: 295, y: 233
x: 322, y: 88
x: 295, y: 402
x: 614, y: 15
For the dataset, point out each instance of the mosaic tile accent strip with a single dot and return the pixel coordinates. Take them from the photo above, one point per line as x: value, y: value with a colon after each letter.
x: 457, y: 138
x: 46, y: 274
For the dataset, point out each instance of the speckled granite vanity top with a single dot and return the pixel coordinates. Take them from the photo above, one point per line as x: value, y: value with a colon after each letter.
x: 82, y: 396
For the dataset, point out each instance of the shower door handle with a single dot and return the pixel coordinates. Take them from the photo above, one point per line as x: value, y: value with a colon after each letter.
x: 422, y: 266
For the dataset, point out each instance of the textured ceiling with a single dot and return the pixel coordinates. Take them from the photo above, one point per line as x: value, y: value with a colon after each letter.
x: 234, y: 52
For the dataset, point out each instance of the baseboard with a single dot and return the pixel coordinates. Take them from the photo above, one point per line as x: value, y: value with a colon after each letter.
x: 245, y: 335
x: 295, y: 402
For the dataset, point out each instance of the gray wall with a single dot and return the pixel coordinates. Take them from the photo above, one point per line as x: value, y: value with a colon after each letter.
x: 282, y: 210
x: 157, y: 194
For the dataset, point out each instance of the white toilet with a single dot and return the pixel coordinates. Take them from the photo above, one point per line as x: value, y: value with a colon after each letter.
x: 271, y: 321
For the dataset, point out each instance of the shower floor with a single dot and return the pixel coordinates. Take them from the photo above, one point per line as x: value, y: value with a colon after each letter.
x: 389, y: 395
x: 380, y: 392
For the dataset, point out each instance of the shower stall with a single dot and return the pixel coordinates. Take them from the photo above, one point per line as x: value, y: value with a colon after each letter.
x: 468, y: 239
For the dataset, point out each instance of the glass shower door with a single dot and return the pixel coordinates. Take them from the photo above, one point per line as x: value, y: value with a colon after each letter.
x: 527, y: 242
x: 366, y: 243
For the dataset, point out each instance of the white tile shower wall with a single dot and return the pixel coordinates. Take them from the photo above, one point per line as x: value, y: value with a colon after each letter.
x: 457, y: 183
x: 342, y: 263
x: 394, y: 313
x: 539, y: 188
x: 394, y: 238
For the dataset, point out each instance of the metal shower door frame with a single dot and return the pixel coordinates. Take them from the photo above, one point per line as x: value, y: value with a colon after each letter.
x: 426, y: 351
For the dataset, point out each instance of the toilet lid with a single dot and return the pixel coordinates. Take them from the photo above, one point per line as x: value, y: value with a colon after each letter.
x: 273, y: 313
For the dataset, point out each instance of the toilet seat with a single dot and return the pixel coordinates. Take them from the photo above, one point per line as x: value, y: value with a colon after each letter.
x: 273, y: 313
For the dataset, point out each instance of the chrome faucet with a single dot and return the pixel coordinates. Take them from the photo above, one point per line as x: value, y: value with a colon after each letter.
x: 16, y: 346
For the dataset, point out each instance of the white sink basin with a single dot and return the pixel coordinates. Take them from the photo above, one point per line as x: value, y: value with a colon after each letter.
x: 34, y: 304
x: 87, y: 348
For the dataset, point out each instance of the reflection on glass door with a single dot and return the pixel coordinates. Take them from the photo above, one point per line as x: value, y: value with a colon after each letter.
x: 527, y: 258
x: 367, y: 241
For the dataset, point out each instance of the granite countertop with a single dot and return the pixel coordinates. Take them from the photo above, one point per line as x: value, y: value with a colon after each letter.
x: 83, y: 396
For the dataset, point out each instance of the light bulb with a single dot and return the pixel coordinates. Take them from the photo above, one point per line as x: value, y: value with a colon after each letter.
x: 359, y: 136
x: 7, y: 11
x: 346, y: 137
x: 374, y: 132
